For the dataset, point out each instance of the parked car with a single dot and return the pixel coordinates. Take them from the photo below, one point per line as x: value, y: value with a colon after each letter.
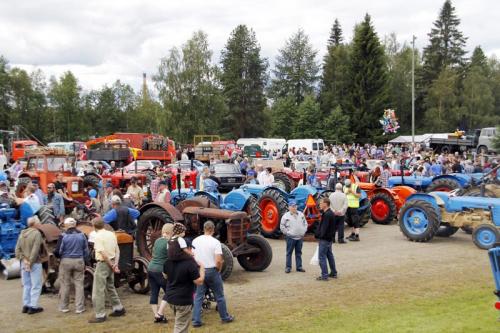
x: 142, y: 165
x: 185, y: 165
x: 229, y: 175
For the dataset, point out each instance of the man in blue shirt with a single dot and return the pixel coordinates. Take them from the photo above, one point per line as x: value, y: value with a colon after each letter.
x: 72, y: 248
x: 121, y: 217
x: 436, y: 168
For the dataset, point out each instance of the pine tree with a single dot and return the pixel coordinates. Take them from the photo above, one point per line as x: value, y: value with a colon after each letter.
x: 369, y: 85
x: 336, y: 127
x: 283, y: 116
x: 334, y: 87
x: 446, y: 45
x: 309, y: 122
x: 5, y: 109
x: 296, y: 70
x: 479, y: 61
x: 336, y: 37
x: 243, y: 79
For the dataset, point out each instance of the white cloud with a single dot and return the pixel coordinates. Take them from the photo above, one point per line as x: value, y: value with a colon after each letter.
x: 101, y: 41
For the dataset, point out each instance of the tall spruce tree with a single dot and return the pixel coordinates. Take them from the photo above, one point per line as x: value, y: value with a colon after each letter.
x: 243, y: 77
x: 283, y: 115
x: 446, y: 45
x: 296, y: 69
x: 5, y: 108
x: 369, y: 84
x: 334, y: 87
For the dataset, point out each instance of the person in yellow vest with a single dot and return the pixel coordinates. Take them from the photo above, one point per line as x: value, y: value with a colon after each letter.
x: 353, y: 194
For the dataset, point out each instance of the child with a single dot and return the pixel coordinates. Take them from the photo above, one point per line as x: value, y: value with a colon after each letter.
x: 177, y: 247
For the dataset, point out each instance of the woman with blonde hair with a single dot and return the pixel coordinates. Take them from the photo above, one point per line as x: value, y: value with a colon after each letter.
x: 155, y: 270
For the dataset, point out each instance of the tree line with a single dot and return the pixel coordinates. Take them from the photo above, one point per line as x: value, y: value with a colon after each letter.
x: 340, y: 98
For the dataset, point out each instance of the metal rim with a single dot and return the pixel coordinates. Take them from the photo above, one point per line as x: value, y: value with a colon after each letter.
x: 380, y: 209
x: 486, y: 237
x: 270, y: 214
x: 415, y: 220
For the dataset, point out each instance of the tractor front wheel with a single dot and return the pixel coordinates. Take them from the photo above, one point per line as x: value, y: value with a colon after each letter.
x: 257, y: 262
x: 418, y: 220
x: 272, y: 206
x: 485, y: 236
x: 227, y: 266
x: 383, y: 208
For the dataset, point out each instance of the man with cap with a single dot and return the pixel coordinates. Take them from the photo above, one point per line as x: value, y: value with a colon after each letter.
x: 54, y: 201
x: 294, y: 226
x: 72, y: 248
x: 353, y: 193
x: 135, y: 192
x: 107, y: 255
x: 338, y: 205
x: 121, y: 217
x: 106, y: 198
x: 251, y: 177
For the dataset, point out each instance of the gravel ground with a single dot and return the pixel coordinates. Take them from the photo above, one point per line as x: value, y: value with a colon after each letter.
x: 378, y: 269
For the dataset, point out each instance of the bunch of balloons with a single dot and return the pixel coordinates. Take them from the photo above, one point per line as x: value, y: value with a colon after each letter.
x: 389, y: 122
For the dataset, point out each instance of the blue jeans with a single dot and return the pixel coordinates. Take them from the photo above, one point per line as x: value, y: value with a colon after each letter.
x: 324, y: 253
x: 291, y: 245
x: 213, y: 281
x: 156, y: 282
x: 32, y: 285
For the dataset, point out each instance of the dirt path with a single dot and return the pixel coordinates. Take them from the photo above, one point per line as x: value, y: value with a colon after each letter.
x: 379, y: 269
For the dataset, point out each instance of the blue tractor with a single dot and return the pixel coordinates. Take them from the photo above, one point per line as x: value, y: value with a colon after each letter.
x: 442, y: 213
x: 443, y: 183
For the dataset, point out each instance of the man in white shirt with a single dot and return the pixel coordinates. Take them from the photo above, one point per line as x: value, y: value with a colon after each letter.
x: 266, y: 177
x: 208, y: 251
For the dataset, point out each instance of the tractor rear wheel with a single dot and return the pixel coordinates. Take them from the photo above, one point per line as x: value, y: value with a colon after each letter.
x: 253, y: 210
x: 443, y: 185
x: 46, y: 216
x: 418, y: 220
x: 383, y: 208
x: 149, y: 229
x: 485, y: 236
x: 91, y: 180
x: 446, y: 231
x: 227, y: 266
x: 273, y: 206
x: 138, y: 278
x: 282, y: 181
x: 257, y: 262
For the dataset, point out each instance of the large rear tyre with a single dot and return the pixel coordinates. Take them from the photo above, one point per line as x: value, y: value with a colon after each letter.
x: 257, y: 262
x: 383, y: 208
x: 443, y: 185
x: 282, y: 181
x: 253, y: 210
x: 227, y: 266
x: 46, y: 216
x: 485, y: 236
x: 418, y: 220
x: 149, y: 229
x: 273, y: 206
x: 446, y: 231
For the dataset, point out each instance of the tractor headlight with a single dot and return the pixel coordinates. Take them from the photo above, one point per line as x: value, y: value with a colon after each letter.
x: 74, y: 187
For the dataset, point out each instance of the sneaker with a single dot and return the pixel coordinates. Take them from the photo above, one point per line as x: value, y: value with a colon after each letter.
x: 333, y: 276
x: 80, y: 311
x: 64, y: 310
x: 287, y: 270
x: 352, y: 237
x: 356, y: 238
x: 97, y: 320
x: 301, y: 270
x: 117, y: 313
x: 35, y: 310
x: 25, y: 309
x: 230, y: 319
x: 320, y: 278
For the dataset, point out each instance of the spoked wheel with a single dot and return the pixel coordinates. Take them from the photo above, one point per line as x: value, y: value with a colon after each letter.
x: 383, y: 208
x: 257, y: 262
x: 272, y: 206
x: 149, y: 229
x: 138, y: 278
x: 88, y: 281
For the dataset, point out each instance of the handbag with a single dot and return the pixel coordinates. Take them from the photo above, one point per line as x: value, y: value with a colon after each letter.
x: 315, y: 258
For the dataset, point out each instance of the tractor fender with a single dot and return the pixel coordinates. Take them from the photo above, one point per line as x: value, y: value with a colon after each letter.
x: 236, y: 199
x: 433, y: 198
x: 462, y: 179
x: 171, y: 210
x: 301, y: 193
x: 401, y: 193
x: 277, y: 189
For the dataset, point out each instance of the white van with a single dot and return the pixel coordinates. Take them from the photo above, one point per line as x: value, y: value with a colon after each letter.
x: 270, y: 144
x: 312, y: 145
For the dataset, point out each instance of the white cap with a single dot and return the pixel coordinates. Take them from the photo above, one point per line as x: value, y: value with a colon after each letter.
x: 69, y: 221
x: 116, y: 199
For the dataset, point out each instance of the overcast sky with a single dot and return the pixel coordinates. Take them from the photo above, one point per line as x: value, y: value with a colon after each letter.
x: 104, y: 40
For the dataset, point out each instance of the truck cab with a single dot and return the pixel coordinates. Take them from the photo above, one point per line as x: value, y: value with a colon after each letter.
x: 20, y: 147
x: 485, y: 140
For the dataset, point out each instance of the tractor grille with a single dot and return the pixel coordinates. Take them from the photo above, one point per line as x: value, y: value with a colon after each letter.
x: 237, y: 231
